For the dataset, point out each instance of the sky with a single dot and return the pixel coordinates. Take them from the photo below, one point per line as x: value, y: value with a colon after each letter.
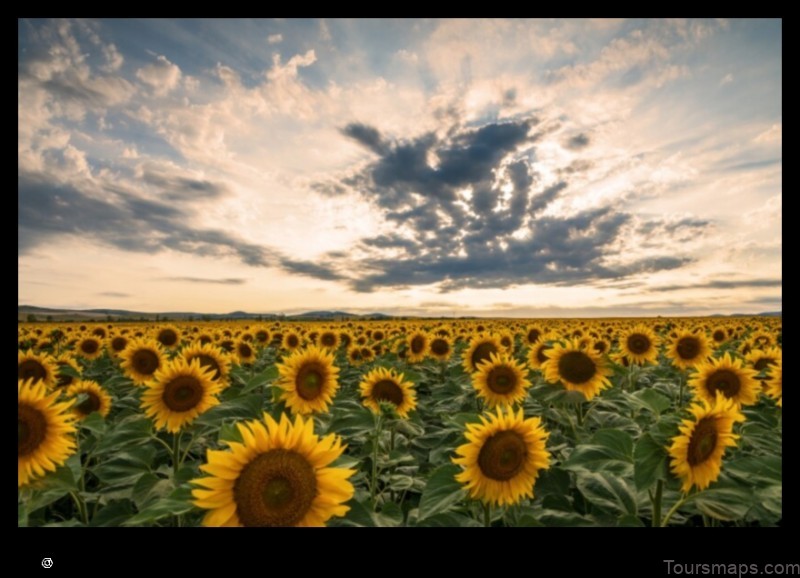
x: 511, y: 168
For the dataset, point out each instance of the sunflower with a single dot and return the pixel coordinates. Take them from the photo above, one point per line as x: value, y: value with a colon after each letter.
x: 169, y: 336
x: 688, y: 349
x: 697, y: 452
x: 383, y: 384
x: 141, y: 359
x: 97, y: 399
x: 418, y: 344
x: 44, y: 431
x: 244, y: 352
x: 532, y: 334
x: 291, y: 341
x: 90, y: 347
x: 501, y: 380
x: 117, y: 344
x: 179, y: 392
x: 38, y: 367
x: 506, y: 341
x: 503, y: 457
x: 480, y: 349
x: 309, y: 380
x: 63, y: 361
x: 262, y: 337
x: 440, y: 348
x: 760, y: 359
x: 727, y: 376
x: 537, y: 355
x: 775, y: 382
x: 279, y: 476
x: 212, y: 358
x: 578, y: 369
x: 328, y: 340
x: 639, y: 345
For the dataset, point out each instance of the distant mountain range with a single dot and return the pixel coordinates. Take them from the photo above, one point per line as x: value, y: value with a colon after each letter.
x: 26, y: 312
x: 30, y: 312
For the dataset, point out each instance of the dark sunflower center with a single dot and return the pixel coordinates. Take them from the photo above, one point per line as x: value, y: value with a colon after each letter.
x: 638, y: 343
x: 262, y: 336
x: 719, y: 335
x: 292, y: 341
x: 703, y: 442
x: 167, y: 337
x: 440, y: 346
x: 275, y: 489
x: 89, y: 346
x: 90, y: 404
x: 482, y: 353
x: 210, y: 363
x: 763, y: 363
x: 387, y: 390
x: 346, y: 340
x: 503, y: 455
x: 328, y: 339
x: 145, y: 361
x: 31, y: 429
x: 417, y: 344
x: 533, y: 335
x: 118, y: 343
x: 378, y: 336
x: 183, y: 393
x: 576, y: 367
x: 64, y: 380
x: 724, y: 380
x: 205, y: 339
x: 32, y: 369
x: 245, y: 350
x: 501, y: 380
x: 540, y: 355
x: 600, y: 346
x: 309, y: 381
x: 688, y: 347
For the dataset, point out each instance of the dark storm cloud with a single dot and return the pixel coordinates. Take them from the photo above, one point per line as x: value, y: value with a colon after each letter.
x: 177, y: 188
x: 225, y: 281
x: 578, y: 142
x: 113, y: 294
x: 753, y: 283
x: 366, y: 135
x: 49, y: 210
x: 494, y: 236
x: 308, y: 269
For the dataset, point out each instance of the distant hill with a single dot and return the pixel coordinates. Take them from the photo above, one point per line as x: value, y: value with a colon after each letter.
x: 25, y: 312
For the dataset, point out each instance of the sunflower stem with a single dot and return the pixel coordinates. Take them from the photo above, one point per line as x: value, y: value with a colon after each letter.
x: 176, y: 464
x: 487, y: 515
x: 680, y: 390
x: 375, y: 445
x: 579, y: 414
x: 656, y: 500
x: 674, y: 509
x: 81, y: 505
x: 186, y: 452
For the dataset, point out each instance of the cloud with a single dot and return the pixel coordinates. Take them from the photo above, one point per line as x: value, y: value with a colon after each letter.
x: 578, y: 142
x: 468, y: 211
x: 114, y: 294
x: 721, y: 284
x: 162, y: 75
x: 275, y: 38
x: 225, y: 281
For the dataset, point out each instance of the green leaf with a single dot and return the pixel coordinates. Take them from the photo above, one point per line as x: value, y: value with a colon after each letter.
x: 608, y: 449
x: 756, y: 470
x: 441, y: 492
x: 267, y: 376
x: 607, y: 492
x: 150, y: 487
x: 725, y: 504
x: 125, y: 468
x: 449, y: 520
x: 650, y: 399
x: 629, y: 521
x: 352, y: 421
x: 22, y: 515
x: 229, y: 432
x: 649, y: 462
x: 390, y: 516
x: 178, y: 502
x: 94, y: 423
x: 135, y: 430
x: 240, y: 408
x: 52, y: 487
x: 565, y: 519
x: 114, y: 514
x: 357, y: 515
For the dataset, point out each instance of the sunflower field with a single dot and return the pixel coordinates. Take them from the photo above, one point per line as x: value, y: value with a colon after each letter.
x: 423, y: 422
